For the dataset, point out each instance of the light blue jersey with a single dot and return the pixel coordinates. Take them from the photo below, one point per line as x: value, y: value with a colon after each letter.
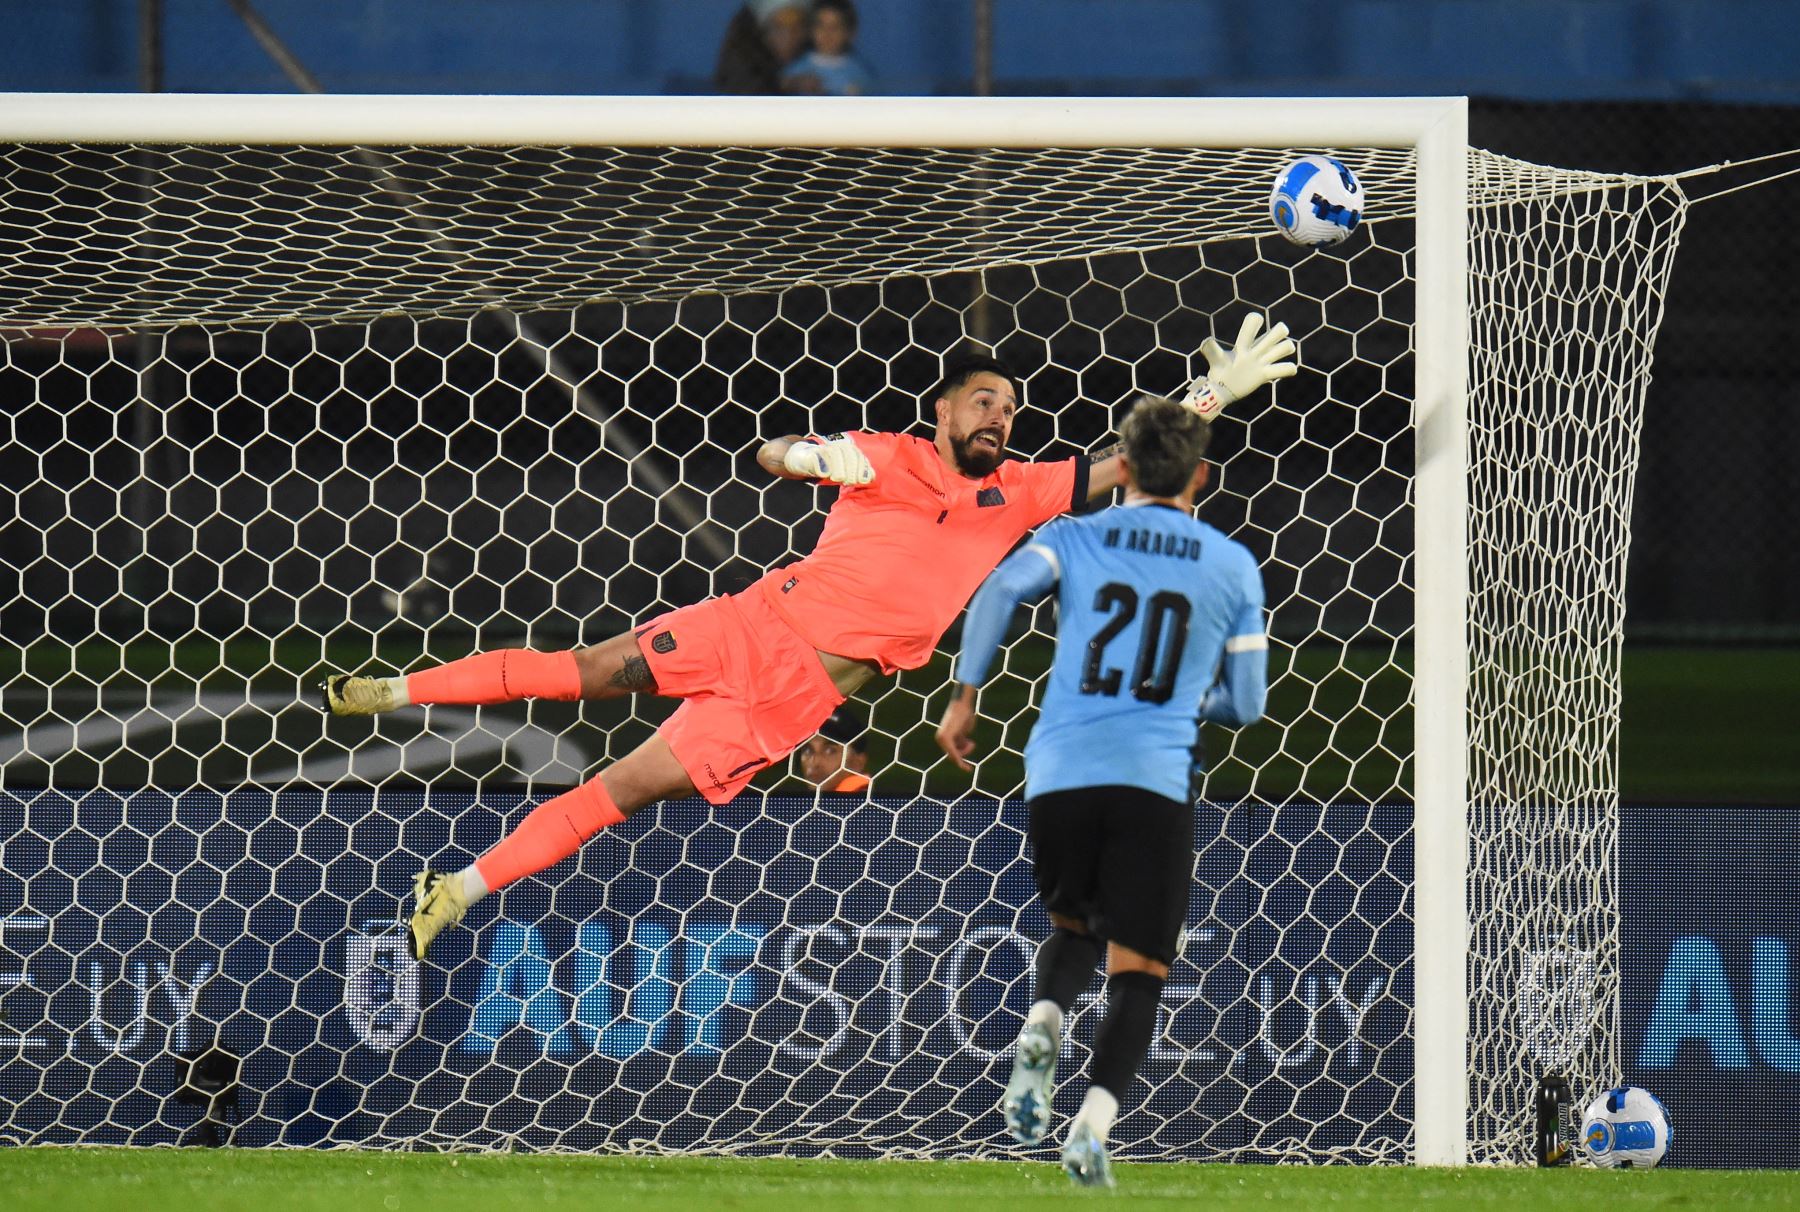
x: 1160, y: 626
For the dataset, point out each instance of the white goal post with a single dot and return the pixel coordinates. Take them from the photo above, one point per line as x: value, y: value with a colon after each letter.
x: 1430, y: 133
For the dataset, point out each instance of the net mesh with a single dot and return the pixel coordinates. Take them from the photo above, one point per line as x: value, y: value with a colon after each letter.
x: 1567, y: 292
x: 274, y: 412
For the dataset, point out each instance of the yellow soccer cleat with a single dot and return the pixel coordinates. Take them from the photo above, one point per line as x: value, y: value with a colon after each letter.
x: 439, y: 902
x: 347, y: 695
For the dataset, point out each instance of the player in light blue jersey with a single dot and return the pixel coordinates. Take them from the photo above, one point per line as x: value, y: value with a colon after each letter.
x: 1160, y: 626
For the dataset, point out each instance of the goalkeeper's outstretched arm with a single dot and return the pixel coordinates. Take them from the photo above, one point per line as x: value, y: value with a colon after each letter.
x: 1231, y: 374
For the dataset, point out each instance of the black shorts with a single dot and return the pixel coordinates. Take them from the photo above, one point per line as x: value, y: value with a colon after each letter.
x: 1120, y: 859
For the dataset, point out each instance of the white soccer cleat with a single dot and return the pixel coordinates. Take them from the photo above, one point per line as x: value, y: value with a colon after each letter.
x: 1026, y: 1103
x: 348, y: 695
x: 1084, y: 1157
x: 438, y: 903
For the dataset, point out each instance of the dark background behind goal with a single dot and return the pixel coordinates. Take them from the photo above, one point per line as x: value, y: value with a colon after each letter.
x: 1714, y: 556
x: 1712, y: 664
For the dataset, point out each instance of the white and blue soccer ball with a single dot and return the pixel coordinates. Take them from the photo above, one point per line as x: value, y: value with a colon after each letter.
x: 1626, y: 1128
x: 1316, y: 201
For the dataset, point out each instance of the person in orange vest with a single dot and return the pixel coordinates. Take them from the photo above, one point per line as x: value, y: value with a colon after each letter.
x: 836, y: 761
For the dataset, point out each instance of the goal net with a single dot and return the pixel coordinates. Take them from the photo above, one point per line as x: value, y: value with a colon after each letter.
x: 279, y: 409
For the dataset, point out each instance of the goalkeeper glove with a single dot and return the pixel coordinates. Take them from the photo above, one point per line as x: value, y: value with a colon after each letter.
x: 837, y: 461
x: 1231, y: 374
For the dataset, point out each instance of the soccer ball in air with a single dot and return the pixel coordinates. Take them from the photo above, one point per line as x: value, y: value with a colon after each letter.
x: 1626, y: 1128
x: 1316, y: 201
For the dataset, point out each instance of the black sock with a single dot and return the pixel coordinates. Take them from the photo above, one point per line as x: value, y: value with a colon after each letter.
x: 1124, y: 1038
x: 1065, y: 964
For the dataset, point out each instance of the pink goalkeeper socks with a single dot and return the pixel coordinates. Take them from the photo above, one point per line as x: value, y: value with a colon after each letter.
x: 550, y: 833
x: 498, y: 677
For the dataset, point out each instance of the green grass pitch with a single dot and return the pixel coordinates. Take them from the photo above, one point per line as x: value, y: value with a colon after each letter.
x: 154, y: 1180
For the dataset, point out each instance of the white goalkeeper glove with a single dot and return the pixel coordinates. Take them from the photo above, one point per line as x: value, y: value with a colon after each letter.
x: 1231, y: 374
x: 837, y: 461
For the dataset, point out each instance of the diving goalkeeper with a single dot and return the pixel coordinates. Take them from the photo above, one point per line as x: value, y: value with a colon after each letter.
x: 1160, y: 626
x: 916, y: 526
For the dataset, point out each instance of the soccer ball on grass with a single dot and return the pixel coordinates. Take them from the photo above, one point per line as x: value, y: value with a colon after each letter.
x: 1316, y: 201
x: 1625, y: 1128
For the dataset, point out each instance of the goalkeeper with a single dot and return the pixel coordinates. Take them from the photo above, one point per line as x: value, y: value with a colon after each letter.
x: 1160, y: 626
x: 916, y: 525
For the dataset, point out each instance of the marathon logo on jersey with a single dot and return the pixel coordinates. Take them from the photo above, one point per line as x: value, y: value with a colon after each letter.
x: 1154, y: 542
x: 789, y: 584
x: 989, y: 496
x: 663, y: 642
x: 932, y: 488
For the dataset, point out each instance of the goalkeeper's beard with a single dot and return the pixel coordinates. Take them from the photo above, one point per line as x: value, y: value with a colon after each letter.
x: 973, y: 462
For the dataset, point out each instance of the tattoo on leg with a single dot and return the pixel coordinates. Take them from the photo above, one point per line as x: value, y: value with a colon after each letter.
x: 633, y: 675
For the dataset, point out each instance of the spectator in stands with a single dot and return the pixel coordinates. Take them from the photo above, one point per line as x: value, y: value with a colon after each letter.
x: 762, y: 39
x: 836, y: 761
x: 831, y: 68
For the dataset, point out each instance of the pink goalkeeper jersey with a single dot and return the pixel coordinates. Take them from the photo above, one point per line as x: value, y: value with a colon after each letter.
x: 900, y: 556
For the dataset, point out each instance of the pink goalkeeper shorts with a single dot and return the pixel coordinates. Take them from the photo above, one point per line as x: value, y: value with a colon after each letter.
x: 754, y: 690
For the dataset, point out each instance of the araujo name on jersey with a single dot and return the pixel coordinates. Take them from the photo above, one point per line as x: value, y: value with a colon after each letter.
x: 1154, y: 542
